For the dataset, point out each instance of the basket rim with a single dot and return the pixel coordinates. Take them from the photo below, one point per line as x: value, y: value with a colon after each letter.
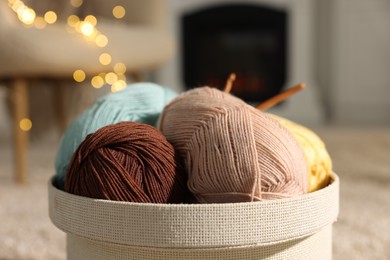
x: 195, y: 225
x: 333, y: 179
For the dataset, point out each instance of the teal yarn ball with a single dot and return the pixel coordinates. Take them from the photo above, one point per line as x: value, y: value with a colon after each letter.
x: 139, y: 102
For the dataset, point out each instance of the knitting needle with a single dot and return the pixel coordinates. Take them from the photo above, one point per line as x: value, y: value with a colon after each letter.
x: 280, y: 97
x: 229, y: 83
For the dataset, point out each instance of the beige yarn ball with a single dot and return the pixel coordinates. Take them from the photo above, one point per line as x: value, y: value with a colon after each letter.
x: 232, y: 151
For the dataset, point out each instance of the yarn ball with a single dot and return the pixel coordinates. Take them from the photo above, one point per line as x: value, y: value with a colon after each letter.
x: 139, y: 102
x: 318, y: 160
x: 232, y: 151
x: 127, y: 161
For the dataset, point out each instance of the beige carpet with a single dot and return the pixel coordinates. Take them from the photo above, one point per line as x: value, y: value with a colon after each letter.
x: 361, y: 157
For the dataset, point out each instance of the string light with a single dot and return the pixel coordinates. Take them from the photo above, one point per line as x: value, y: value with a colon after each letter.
x: 79, y: 75
x: 86, y: 27
x: 50, y: 17
x: 91, y: 19
x: 73, y: 20
x: 101, y: 40
x: 40, y: 22
x: 97, y: 81
x: 119, y: 12
x: 120, y: 68
x: 76, y: 3
x: 111, y: 78
x: 118, y: 86
x: 88, y: 30
x: 26, y: 15
x: 105, y: 58
x: 15, y: 5
x: 25, y: 124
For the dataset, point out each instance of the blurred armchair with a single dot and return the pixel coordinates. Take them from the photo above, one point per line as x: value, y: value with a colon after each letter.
x: 141, y: 40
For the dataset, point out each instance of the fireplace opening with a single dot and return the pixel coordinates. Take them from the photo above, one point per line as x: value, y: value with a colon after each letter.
x: 249, y: 40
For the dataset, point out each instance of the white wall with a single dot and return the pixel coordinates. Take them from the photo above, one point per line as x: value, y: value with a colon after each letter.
x: 355, y: 64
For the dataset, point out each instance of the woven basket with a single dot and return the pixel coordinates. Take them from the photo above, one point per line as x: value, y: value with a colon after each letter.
x: 294, y: 228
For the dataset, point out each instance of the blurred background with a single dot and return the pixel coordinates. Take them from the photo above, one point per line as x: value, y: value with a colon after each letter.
x: 58, y: 57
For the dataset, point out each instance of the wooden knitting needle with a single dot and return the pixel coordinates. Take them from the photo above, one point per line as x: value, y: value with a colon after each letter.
x: 280, y: 97
x: 229, y: 83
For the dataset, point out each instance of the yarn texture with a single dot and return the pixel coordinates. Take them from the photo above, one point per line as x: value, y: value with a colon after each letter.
x: 232, y: 151
x: 140, y: 102
x: 317, y: 157
x: 127, y: 161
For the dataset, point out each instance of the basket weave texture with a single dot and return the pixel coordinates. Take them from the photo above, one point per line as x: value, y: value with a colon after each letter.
x: 293, y: 228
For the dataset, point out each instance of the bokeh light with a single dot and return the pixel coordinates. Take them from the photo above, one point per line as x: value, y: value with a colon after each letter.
x: 105, y: 58
x: 16, y: 5
x: 87, y: 28
x: 111, y: 77
x: 120, y: 68
x: 26, y: 15
x: 119, y: 11
x: 101, y: 40
x: 50, y: 17
x: 79, y: 75
x: 97, y: 82
x: 40, y: 22
x: 118, y: 86
x: 25, y: 124
x: 73, y: 20
x: 91, y: 19
x: 76, y: 3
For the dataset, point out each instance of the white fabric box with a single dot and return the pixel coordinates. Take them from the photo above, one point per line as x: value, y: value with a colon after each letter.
x: 293, y: 228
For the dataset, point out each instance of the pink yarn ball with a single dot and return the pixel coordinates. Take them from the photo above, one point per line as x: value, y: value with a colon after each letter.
x: 233, y: 152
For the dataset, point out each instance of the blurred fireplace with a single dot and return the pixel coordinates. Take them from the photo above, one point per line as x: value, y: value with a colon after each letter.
x: 268, y: 43
x: 249, y: 40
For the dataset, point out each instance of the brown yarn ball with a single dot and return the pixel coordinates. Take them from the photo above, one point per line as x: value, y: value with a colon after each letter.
x: 127, y: 161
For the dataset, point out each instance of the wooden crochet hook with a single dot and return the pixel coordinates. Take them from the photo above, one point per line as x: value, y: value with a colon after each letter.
x: 280, y: 97
x: 229, y: 83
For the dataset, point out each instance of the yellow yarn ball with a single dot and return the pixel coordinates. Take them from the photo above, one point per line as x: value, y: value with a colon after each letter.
x: 318, y: 160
